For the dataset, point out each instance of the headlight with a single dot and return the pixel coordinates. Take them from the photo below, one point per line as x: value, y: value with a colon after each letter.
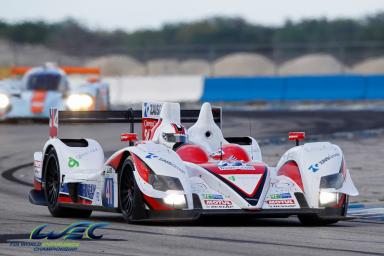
x: 328, y: 198
x: 79, y: 102
x: 175, y: 200
x: 332, y: 181
x: 4, y: 101
x: 164, y: 183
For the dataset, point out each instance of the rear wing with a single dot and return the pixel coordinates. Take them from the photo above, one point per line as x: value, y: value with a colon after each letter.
x: 69, y: 70
x: 129, y: 116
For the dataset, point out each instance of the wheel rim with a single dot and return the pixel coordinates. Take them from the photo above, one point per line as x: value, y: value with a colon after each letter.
x: 52, y: 181
x: 127, y: 193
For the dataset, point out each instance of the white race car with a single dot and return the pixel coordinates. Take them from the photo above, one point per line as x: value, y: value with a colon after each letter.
x: 176, y: 173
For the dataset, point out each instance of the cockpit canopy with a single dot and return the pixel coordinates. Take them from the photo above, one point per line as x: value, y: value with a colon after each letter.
x: 46, y: 80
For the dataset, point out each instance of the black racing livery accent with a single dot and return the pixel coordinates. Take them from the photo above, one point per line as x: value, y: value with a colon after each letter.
x: 76, y: 143
x: 239, y: 140
x: 251, y: 200
x: 301, y: 200
x: 196, y: 201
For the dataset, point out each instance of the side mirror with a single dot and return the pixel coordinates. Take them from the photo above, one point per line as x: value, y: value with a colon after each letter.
x: 297, y: 136
x: 130, y: 137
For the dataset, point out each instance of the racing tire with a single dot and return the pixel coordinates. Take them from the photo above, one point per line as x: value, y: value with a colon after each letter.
x: 52, y: 189
x: 315, y: 220
x: 131, y: 200
x: 318, y: 220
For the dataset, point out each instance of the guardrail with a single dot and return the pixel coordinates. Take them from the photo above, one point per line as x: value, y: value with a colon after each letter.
x: 312, y: 88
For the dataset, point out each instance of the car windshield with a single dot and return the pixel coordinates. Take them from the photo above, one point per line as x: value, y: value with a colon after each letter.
x: 49, y: 82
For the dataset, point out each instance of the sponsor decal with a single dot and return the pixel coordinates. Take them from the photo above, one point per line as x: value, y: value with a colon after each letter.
x: 281, y: 202
x: 282, y: 185
x: 153, y: 156
x: 87, y: 191
x: 234, y: 165
x: 73, y: 162
x: 147, y: 126
x: 151, y: 110
x: 85, y: 153
x: 212, y: 196
x: 108, y: 198
x: 218, y: 203
x: 232, y: 178
x: 218, y: 153
x: 280, y: 196
x: 108, y: 170
x: 316, y: 166
x: 37, y: 164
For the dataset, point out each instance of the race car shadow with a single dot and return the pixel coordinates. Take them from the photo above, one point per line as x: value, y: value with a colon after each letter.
x: 216, y: 221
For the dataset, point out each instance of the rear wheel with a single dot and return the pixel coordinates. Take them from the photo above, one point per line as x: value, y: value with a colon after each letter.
x: 52, y: 189
x: 130, y: 196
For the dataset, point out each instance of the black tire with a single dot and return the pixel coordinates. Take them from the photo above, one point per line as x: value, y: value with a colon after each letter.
x: 131, y: 201
x: 316, y: 220
x: 52, y: 189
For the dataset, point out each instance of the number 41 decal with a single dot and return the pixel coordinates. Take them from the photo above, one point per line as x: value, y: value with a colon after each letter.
x: 108, y: 200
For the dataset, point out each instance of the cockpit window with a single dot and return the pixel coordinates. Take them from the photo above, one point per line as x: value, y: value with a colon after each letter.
x: 49, y: 82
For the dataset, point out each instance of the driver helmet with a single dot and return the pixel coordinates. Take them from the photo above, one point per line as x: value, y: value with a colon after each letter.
x: 171, y: 135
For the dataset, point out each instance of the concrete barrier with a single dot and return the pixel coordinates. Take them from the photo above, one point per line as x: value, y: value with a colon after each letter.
x: 128, y: 90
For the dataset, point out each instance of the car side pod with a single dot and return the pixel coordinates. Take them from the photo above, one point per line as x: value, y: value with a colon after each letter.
x: 296, y: 136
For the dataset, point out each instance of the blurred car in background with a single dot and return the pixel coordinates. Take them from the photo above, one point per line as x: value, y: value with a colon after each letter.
x: 38, y: 89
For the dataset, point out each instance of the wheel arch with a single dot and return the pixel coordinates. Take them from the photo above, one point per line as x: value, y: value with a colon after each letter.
x: 47, y: 148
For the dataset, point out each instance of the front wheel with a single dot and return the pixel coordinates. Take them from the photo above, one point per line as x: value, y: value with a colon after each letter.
x: 316, y: 220
x: 319, y: 220
x: 52, y: 189
x: 130, y: 196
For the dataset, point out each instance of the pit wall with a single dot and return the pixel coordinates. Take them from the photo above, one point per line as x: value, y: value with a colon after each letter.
x: 195, y: 88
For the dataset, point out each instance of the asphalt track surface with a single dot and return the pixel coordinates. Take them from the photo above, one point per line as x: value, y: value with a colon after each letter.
x: 214, y: 236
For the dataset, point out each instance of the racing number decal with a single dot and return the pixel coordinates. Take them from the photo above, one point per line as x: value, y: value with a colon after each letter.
x: 108, y: 200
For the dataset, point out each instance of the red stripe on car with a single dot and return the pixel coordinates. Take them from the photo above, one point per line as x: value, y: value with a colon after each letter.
x: 291, y: 170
